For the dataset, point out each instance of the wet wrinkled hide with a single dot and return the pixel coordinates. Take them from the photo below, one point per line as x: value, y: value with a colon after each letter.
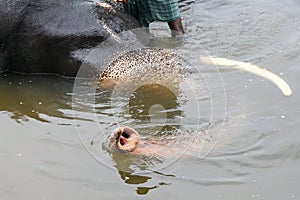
x: 53, y: 36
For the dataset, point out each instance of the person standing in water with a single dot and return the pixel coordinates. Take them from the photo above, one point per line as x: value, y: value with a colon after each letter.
x: 147, y: 11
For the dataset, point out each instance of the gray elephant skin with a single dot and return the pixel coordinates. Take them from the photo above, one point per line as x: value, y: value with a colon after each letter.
x: 53, y: 36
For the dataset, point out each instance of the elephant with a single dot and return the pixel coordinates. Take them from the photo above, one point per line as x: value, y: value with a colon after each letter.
x: 53, y: 36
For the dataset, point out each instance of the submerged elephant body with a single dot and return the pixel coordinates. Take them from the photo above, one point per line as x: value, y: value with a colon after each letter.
x: 53, y: 36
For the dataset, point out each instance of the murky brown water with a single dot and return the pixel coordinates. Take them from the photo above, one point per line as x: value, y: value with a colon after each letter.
x: 256, y: 156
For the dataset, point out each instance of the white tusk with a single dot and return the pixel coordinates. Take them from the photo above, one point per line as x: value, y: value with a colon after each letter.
x: 248, y: 67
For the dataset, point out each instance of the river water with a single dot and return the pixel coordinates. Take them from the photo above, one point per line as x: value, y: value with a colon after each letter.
x: 51, y: 148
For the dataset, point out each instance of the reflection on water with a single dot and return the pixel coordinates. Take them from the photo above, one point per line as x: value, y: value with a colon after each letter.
x: 125, y: 164
x: 130, y: 178
x: 127, y: 174
x: 36, y: 97
x: 149, y: 95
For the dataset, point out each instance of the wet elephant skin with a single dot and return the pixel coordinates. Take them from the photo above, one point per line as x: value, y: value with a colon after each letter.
x: 53, y: 36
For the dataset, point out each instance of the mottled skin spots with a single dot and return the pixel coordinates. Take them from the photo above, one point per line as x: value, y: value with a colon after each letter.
x: 151, y: 64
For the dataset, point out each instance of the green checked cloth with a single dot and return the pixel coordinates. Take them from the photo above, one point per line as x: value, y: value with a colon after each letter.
x: 147, y: 11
